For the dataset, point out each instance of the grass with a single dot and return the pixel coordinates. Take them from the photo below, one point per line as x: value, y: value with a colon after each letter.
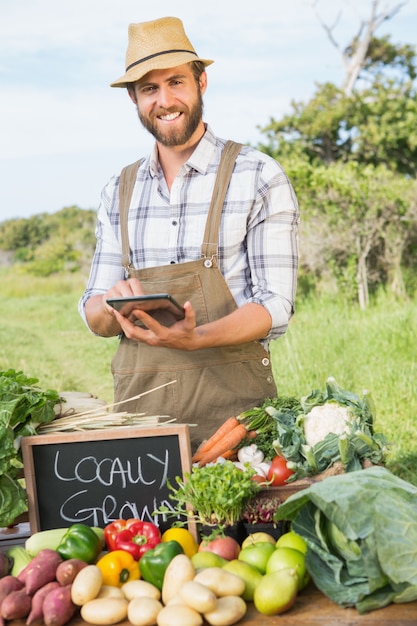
x: 42, y: 334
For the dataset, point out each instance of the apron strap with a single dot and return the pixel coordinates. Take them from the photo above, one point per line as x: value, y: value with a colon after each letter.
x: 126, y: 185
x: 209, y: 247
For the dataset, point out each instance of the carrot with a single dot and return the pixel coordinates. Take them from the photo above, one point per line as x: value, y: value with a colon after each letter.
x: 230, y: 441
x: 225, y: 428
x: 231, y: 455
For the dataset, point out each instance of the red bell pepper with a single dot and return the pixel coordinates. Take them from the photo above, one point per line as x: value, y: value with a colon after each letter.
x: 132, y: 535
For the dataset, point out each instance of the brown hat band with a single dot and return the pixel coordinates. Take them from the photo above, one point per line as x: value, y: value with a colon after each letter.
x: 157, y: 54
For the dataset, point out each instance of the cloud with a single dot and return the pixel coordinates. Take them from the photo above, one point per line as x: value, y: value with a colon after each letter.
x: 57, y: 112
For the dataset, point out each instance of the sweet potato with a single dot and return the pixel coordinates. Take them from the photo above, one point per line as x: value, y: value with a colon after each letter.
x: 16, y: 605
x: 58, y: 608
x: 36, y: 613
x: 8, y: 584
x: 67, y: 570
x: 41, y: 570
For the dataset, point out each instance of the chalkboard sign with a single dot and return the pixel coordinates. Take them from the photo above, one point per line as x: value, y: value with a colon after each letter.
x: 95, y: 477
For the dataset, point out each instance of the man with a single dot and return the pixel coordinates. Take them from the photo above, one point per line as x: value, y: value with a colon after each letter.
x: 235, y: 276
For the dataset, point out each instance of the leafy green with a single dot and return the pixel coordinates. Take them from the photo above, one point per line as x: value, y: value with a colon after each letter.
x: 23, y: 407
x: 262, y: 419
x: 351, y: 448
x: 376, y: 512
x: 212, y: 495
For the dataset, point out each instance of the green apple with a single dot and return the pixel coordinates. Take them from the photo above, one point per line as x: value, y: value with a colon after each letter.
x: 292, y: 540
x: 289, y: 558
x: 250, y: 574
x: 257, y: 554
x: 256, y: 538
x: 276, y: 592
x: 201, y: 560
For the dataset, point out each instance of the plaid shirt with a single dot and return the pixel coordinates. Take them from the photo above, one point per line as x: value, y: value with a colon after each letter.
x: 258, y: 247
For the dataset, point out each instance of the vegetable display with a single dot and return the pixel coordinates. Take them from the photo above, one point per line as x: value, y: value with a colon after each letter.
x: 23, y: 407
x: 361, y: 532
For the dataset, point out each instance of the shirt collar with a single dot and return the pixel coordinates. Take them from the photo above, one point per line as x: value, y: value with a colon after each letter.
x: 199, y: 160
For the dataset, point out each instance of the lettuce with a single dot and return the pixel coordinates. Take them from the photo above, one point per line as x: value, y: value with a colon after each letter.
x: 374, y: 563
x: 23, y: 407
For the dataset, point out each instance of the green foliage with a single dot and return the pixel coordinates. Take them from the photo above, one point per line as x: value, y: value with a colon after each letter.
x: 359, y: 226
x: 50, y: 243
x: 373, y: 125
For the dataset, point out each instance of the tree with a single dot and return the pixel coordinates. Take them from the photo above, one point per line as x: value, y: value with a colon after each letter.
x: 367, y: 122
x: 363, y: 52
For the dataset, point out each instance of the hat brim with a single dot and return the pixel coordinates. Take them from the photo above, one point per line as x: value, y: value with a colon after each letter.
x: 159, y: 62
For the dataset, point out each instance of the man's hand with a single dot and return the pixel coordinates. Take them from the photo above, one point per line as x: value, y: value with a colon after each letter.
x: 180, y: 335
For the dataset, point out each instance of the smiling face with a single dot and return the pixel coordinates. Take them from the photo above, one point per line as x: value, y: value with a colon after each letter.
x: 170, y: 104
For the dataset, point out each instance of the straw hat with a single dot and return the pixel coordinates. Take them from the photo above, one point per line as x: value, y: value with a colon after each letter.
x: 156, y: 45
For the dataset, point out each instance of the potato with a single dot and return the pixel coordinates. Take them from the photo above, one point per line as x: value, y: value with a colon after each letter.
x: 108, y: 591
x: 229, y: 610
x: 140, y: 589
x: 175, y: 600
x: 67, y: 570
x: 179, y: 571
x: 86, y: 585
x: 198, y: 596
x: 58, y: 608
x: 221, y: 582
x: 36, y: 613
x: 16, y: 604
x: 178, y: 615
x: 105, y: 611
x: 143, y: 611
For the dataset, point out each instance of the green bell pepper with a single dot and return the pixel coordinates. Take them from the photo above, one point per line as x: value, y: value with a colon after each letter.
x: 80, y: 542
x: 154, y: 562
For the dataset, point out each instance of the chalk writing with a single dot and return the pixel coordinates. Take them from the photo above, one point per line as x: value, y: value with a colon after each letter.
x: 115, y: 471
x: 95, y: 481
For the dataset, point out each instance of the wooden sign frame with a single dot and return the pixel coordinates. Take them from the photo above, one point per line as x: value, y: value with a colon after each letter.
x: 48, y: 485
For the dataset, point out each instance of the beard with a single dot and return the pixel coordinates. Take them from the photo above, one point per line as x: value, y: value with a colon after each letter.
x: 175, y: 136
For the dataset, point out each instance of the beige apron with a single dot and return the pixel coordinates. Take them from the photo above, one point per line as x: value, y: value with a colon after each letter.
x: 211, y: 384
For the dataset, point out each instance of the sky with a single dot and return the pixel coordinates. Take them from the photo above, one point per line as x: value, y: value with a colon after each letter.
x: 64, y: 132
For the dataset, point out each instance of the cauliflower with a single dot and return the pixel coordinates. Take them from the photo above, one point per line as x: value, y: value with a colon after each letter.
x: 324, y: 419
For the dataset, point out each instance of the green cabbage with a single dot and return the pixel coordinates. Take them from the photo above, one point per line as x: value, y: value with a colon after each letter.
x: 361, y: 533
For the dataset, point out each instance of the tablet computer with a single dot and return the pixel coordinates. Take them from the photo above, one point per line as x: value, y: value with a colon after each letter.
x: 161, y: 306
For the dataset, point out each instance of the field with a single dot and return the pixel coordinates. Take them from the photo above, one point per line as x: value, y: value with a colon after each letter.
x: 42, y: 334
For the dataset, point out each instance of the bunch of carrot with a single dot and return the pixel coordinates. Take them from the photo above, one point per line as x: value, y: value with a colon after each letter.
x: 224, y: 442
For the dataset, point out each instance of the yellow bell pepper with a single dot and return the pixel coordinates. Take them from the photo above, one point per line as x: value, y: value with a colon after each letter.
x: 118, y: 567
x: 184, y: 538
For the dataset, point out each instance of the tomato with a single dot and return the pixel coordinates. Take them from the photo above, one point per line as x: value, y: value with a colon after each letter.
x: 279, y: 472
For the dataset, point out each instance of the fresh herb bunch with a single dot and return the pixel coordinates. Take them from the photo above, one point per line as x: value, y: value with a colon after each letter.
x: 23, y: 407
x: 213, y: 495
x: 262, y: 419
